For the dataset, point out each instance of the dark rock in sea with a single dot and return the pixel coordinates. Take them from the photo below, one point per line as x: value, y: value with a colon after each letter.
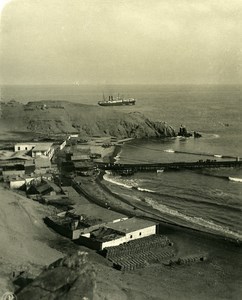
x: 197, y: 134
x: 183, y: 132
x: 72, y: 277
x: 65, y: 117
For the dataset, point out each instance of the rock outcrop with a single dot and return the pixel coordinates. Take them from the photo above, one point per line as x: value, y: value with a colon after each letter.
x: 72, y: 277
x: 66, y: 117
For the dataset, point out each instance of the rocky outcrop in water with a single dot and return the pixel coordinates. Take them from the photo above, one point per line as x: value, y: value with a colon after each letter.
x: 65, y: 117
x: 72, y: 277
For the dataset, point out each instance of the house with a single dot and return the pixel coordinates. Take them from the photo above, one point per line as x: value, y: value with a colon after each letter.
x: 24, y: 146
x: 116, y: 233
x: 83, y: 220
x: 43, y: 149
x: 17, y: 182
x: 46, y: 187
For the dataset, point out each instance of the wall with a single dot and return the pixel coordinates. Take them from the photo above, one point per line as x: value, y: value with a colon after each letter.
x: 62, y: 146
x: 48, y: 152
x: 16, y: 184
x: 135, y: 235
x: 23, y: 147
x: 13, y: 173
x: 102, y: 151
x: 87, y: 242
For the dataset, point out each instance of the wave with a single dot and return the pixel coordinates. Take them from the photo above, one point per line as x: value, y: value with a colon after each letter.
x: 108, y: 177
x: 201, y: 201
x: 236, y: 179
x: 198, y: 221
x: 145, y: 190
x: 169, y: 151
x: 133, y: 184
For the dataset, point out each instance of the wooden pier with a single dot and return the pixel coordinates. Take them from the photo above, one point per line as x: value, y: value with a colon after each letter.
x: 126, y: 168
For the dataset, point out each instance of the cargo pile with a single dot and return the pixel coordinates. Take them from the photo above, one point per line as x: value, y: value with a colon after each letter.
x: 140, y: 253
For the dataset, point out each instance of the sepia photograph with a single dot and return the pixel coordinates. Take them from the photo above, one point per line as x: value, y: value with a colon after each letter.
x: 120, y: 149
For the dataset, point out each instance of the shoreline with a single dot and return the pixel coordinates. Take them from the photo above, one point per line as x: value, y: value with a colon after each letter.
x: 156, y: 214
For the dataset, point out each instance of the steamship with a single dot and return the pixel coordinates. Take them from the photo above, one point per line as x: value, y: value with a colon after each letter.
x: 111, y: 101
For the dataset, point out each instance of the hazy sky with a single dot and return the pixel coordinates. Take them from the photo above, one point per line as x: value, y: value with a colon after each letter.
x: 114, y: 41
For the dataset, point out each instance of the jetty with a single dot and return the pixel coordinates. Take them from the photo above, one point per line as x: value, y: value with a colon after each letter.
x: 201, y: 164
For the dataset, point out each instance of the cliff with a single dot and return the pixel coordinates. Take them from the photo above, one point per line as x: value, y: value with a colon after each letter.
x: 66, y: 117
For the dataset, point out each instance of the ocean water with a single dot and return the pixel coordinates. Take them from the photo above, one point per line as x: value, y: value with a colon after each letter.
x: 207, y: 199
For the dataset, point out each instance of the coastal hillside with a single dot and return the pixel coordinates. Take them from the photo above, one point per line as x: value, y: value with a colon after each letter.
x: 66, y: 117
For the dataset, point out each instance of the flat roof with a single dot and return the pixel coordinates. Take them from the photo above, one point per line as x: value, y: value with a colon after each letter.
x: 131, y: 225
x: 42, y: 146
x: 26, y: 143
x: 94, y: 211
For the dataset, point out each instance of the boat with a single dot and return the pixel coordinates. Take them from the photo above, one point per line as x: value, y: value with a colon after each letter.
x: 159, y: 171
x: 116, y: 101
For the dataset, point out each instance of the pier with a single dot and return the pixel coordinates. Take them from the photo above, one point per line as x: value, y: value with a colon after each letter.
x: 201, y: 164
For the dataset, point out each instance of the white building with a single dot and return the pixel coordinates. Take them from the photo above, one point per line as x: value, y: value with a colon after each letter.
x: 116, y: 233
x: 24, y: 146
x: 38, y: 149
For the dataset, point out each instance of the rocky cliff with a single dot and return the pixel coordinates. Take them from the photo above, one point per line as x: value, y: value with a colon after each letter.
x: 66, y: 117
x: 72, y: 277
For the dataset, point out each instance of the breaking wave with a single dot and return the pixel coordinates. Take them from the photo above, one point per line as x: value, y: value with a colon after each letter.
x: 145, y: 190
x: 198, y: 221
x: 108, y: 177
x: 236, y: 179
x: 126, y: 183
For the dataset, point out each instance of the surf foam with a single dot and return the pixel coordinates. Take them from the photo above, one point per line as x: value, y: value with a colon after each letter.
x: 198, y: 221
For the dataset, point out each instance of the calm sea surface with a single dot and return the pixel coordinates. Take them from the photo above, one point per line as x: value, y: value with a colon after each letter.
x: 206, y: 199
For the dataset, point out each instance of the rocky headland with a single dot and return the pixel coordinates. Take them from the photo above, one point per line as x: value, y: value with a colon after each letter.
x: 67, y: 117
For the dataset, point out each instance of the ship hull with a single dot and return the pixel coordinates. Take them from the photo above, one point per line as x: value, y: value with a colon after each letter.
x: 116, y: 103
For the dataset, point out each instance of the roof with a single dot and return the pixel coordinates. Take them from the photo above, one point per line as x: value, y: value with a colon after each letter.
x: 26, y: 143
x: 97, y: 212
x: 80, y: 157
x: 42, y: 147
x: 131, y: 225
x: 47, y: 186
x: 7, y: 155
x: 104, y: 234
x: 55, y: 187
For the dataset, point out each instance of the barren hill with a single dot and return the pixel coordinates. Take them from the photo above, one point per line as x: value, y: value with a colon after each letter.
x: 65, y: 117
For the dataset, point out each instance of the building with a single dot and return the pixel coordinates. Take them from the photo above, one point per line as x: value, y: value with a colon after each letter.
x: 46, y: 187
x: 24, y: 146
x: 98, y: 228
x: 43, y: 149
x: 83, y: 220
x: 116, y: 233
x: 38, y: 149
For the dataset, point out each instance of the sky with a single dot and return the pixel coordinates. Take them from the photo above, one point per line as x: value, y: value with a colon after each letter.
x: 121, y: 42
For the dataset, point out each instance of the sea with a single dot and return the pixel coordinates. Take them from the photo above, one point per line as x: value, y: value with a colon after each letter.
x: 209, y: 199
